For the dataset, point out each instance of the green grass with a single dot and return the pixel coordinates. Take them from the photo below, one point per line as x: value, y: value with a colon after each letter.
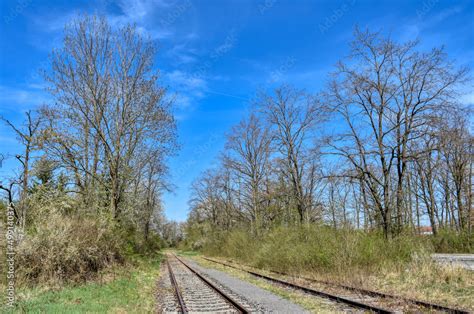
x: 188, y: 253
x: 131, y: 291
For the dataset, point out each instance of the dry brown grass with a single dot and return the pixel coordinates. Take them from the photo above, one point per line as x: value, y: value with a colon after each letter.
x: 66, y: 249
x: 421, y: 279
x: 426, y: 280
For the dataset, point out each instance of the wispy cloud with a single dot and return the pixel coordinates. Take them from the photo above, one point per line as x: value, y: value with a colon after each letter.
x: 443, y: 15
x: 140, y: 13
x: 188, y: 87
x: 182, y: 53
x: 138, y: 9
x: 186, y: 81
x: 153, y: 18
x: 12, y: 98
x: 56, y: 24
x: 426, y: 18
x: 467, y: 99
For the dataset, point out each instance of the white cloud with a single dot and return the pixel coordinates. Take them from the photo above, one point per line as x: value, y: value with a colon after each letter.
x: 23, y: 99
x: 56, y: 24
x: 183, y: 101
x: 467, y: 99
x: 136, y: 10
x: 186, y: 81
x: 443, y: 15
x: 426, y: 18
x: 189, y: 88
x: 144, y: 14
x: 154, y: 33
x: 182, y: 53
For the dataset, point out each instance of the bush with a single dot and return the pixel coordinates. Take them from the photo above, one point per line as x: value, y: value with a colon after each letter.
x: 67, y: 248
x: 318, y: 248
x: 451, y: 241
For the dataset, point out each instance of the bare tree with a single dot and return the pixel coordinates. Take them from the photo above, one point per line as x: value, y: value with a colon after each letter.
x: 292, y: 115
x: 456, y: 145
x: 109, y: 106
x: 28, y: 136
x: 386, y: 94
x: 247, y: 155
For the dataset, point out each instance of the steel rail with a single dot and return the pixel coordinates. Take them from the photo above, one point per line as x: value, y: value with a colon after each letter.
x: 182, y: 305
x: 326, y: 295
x: 229, y: 299
x: 368, y: 292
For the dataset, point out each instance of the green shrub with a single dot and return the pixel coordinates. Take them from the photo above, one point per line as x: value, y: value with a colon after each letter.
x: 451, y: 241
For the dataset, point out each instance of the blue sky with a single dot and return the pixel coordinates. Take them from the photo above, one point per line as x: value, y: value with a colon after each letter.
x: 214, y: 56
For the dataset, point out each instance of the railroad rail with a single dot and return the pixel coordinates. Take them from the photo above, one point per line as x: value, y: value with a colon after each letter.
x: 337, y: 298
x: 177, y: 291
x: 199, y: 295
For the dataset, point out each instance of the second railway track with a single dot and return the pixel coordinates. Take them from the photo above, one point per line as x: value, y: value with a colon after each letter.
x: 358, y: 298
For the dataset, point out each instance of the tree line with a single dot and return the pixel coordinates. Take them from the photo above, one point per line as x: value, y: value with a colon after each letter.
x: 386, y: 145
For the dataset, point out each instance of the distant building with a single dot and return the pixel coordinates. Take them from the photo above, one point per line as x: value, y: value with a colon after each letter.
x: 425, y: 230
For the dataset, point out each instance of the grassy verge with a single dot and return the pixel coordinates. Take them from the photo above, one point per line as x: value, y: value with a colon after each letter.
x: 127, y: 289
x: 421, y: 280
x: 425, y: 280
x: 188, y: 253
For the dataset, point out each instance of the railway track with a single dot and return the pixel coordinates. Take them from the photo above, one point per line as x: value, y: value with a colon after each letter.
x: 356, y: 297
x: 195, y: 293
